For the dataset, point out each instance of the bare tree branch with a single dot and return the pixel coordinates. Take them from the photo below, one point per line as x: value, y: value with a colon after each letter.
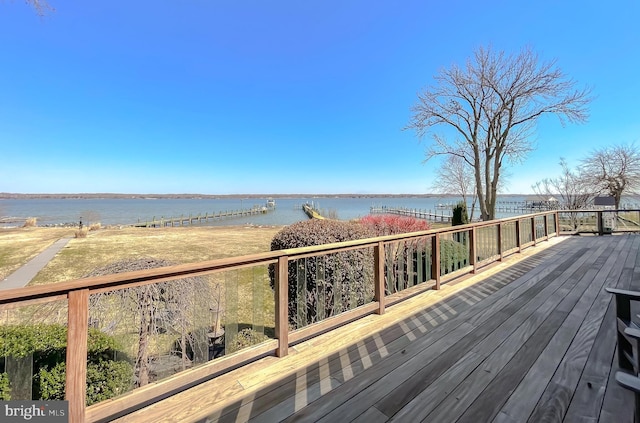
x: 571, y: 187
x: 492, y: 105
x: 42, y: 7
x: 572, y: 190
x: 613, y: 170
x: 456, y: 176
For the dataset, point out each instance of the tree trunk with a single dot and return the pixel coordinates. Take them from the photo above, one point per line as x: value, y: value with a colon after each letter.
x: 473, y: 207
x: 479, y: 186
x: 617, y: 197
x: 142, y: 359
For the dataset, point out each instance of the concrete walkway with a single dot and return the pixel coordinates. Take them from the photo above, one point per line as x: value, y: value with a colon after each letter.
x: 23, y: 275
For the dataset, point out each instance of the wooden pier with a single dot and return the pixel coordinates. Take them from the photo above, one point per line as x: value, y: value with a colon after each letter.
x: 514, y: 207
x: 311, y: 212
x: 417, y: 213
x: 202, y: 218
x: 6, y: 220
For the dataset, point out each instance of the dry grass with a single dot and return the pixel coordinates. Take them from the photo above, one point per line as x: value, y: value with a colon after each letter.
x: 19, y: 245
x: 30, y: 222
x: 246, y: 298
x: 178, y: 245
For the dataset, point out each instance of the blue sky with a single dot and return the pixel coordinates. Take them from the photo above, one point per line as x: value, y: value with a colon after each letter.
x: 230, y: 97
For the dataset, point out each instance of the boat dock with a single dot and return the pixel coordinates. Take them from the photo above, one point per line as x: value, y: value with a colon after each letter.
x: 202, y: 218
x: 514, y: 207
x: 311, y: 212
x: 417, y: 213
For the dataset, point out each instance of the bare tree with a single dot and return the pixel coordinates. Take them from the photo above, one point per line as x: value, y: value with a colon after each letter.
x: 41, y: 7
x: 176, y: 308
x: 574, y: 190
x: 490, y: 107
x: 614, y: 170
x: 455, y: 176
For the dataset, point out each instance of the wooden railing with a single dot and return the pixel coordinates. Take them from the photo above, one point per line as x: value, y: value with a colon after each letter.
x: 393, y: 268
x: 599, y: 221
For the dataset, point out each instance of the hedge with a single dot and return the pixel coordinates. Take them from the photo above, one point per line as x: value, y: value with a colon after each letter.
x: 106, y: 377
x: 329, y: 284
x: 5, y: 389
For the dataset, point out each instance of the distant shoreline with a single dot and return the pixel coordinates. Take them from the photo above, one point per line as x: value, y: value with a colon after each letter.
x: 20, y: 196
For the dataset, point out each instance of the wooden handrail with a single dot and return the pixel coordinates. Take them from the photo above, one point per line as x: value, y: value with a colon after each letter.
x: 77, y: 291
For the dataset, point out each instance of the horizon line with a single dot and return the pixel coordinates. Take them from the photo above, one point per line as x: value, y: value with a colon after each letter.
x: 9, y: 195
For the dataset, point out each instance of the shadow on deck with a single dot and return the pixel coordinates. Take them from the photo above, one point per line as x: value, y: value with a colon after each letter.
x: 530, y: 340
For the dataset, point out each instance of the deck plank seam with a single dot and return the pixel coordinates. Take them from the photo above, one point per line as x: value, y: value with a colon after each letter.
x: 528, y: 319
x: 575, y: 352
x: 506, y: 315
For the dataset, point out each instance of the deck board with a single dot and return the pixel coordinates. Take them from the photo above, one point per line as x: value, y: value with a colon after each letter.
x: 531, y: 340
x: 451, y: 404
x: 501, y: 322
x: 556, y: 399
x: 447, y: 335
x: 521, y: 339
x: 573, y: 334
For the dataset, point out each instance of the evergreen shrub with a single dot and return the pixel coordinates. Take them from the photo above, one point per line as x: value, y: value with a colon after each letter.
x: 5, y: 388
x: 106, y: 377
x: 460, y: 216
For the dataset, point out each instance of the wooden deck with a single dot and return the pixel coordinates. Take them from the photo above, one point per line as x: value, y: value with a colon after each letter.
x: 530, y: 340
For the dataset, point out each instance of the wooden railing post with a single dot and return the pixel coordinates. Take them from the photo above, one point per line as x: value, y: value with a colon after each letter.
x: 600, y: 223
x: 557, y: 218
x: 533, y: 229
x: 546, y: 227
x: 518, y: 236
x: 76, y: 372
x: 282, y: 306
x: 473, y: 249
x: 378, y: 271
x: 500, y: 252
x: 435, y: 259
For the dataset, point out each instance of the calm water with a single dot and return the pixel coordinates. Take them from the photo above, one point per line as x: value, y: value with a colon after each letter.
x: 287, y: 211
x: 130, y: 211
